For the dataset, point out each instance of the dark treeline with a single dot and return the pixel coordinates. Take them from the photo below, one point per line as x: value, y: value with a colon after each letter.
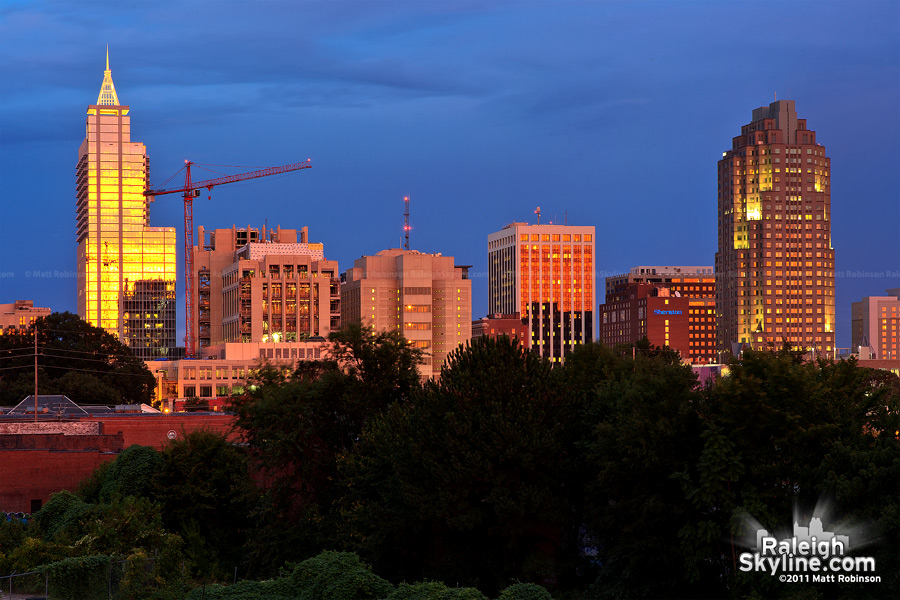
x: 610, y: 477
x: 75, y: 359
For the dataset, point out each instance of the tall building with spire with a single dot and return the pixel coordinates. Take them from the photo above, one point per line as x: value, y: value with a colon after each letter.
x: 126, y: 269
x: 775, y: 264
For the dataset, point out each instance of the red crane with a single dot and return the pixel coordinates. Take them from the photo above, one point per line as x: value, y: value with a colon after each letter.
x: 190, y: 191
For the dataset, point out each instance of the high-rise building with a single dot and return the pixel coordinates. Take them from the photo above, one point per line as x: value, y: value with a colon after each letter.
x: 876, y: 326
x: 775, y: 264
x: 636, y: 307
x: 546, y: 274
x: 426, y: 297
x: 126, y: 269
x: 263, y: 286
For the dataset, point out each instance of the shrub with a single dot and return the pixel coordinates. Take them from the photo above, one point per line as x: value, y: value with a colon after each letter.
x: 337, y: 576
x: 525, y: 591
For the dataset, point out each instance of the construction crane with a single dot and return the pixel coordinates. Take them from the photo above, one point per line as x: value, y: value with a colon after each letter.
x: 189, y: 191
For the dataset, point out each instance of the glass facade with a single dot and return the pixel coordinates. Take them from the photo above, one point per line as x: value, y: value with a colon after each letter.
x: 126, y: 269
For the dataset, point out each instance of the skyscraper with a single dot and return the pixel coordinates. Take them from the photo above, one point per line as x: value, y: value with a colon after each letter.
x: 126, y: 269
x: 546, y: 274
x: 775, y: 264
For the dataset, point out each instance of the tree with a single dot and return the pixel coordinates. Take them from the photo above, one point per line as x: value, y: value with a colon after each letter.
x: 206, y: 494
x: 642, y: 428
x: 467, y: 481
x: 295, y: 424
x: 83, y: 362
x: 782, y: 437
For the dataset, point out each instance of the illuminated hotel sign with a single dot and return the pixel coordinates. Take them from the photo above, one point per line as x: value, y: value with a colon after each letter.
x: 666, y: 312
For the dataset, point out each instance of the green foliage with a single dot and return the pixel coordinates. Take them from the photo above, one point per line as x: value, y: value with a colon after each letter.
x: 78, y: 578
x: 206, y: 494
x: 425, y: 590
x: 33, y: 552
x: 65, y: 343
x: 131, y: 474
x: 644, y: 429
x: 525, y: 591
x: 296, y: 424
x: 63, y: 513
x: 12, y: 534
x: 243, y: 590
x: 89, y: 487
x: 336, y: 576
x: 466, y: 482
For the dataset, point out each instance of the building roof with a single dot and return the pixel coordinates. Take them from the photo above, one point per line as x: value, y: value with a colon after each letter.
x: 107, y: 95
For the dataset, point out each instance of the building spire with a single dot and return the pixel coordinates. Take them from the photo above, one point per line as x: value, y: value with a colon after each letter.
x: 107, y: 96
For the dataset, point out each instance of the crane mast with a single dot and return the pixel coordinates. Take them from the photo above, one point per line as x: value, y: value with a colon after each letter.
x: 189, y: 191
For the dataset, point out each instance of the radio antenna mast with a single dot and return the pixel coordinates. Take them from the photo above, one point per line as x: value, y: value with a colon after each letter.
x: 406, y: 222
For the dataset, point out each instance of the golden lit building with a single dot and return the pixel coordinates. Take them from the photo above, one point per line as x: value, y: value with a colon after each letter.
x: 546, y: 274
x: 426, y: 297
x: 126, y: 269
x: 18, y: 316
x: 775, y: 264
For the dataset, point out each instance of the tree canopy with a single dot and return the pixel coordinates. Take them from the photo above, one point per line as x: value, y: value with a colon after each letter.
x: 76, y: 359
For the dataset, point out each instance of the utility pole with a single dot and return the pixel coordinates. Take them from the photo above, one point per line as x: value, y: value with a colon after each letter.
x: 34, y: 328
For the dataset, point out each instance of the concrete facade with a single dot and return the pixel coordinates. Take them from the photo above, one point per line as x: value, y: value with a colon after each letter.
x: 775, y: 261
x: 425, y: 297
x: 876, y: 325
x: 259, y: 285
x: 18, y: 316
x: 223, y: 369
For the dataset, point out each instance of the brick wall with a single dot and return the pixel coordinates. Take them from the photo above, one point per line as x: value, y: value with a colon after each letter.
x: 35, y: 465
x: 153, y: 430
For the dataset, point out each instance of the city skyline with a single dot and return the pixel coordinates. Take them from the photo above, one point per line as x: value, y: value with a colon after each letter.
x: 604, y: 114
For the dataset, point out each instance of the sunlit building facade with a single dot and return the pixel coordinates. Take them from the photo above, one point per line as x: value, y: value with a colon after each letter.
x: 775, y: 264
x: 18, y: 316
x: 876, y: 326
x: 263, y: 285
x: 546, y: 274
x: 126, y: 269
x: 425, y: 297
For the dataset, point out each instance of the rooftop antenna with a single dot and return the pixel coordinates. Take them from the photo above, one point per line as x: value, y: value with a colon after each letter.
x: 538, y: 213
x: 406, y: 222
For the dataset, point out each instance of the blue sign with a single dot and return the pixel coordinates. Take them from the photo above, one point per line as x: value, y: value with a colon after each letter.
x: 666, y: 312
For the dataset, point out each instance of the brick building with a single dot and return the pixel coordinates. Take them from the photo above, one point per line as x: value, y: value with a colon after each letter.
x: 47, y: 456
x: 631, y: 301
x: 512, y: 326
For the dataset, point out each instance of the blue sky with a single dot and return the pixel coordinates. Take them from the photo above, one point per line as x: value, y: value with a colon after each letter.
x: 610, y: 114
